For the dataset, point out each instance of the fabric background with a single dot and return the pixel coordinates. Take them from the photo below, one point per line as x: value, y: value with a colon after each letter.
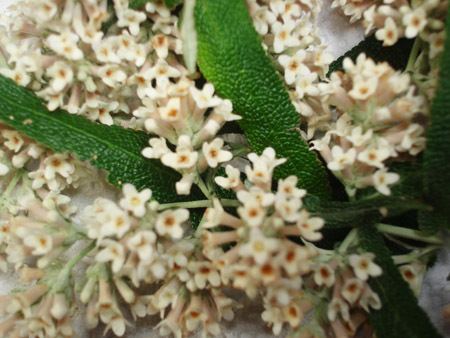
x: 339, y: 36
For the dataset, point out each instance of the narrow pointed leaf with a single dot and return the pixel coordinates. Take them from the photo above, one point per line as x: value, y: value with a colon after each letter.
x: 437, y: 152
x: 400, y: 315
x: 230, y: 56
x: 114, y: 149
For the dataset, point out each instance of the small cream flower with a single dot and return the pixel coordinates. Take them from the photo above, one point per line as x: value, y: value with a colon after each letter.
x: 205, y: 97
x: 389, y: 33
x: 363, y: 88
x: 142, y: 243
x: 169, y: 223
x: 184, y: 157
x: 259, y: 246
x: 214, y: 154
x: 158, y: 148
x: 363, y: 266
x: 133, y: 200
x: 287, y: 188
x: 57, y: 164
x: 41, y: 244
x: 117, y: 223
x: 309, y: 226
x: 414, y: 21
x: 324, y: 275
x: 252, y: 213
x: 283, y: 36
x: 65, y: 44
x: 374, y: 156
x: 131, y: 19
x: 352, y: 290
x: 341, y: 159
x: 291, y: 65
x: 382, y: 179
x: 113, y: 252
x: 61, y: 75
x: 112, y: 75
x: 232, y: 180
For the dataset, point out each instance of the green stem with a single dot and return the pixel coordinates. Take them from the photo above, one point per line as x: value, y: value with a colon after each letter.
x: 351, y: 237
x: 12, y: 184
x: 63, y: 277
x: 407, y: 233
x: 413, y: 55
x: 204, y: 189
x: 408, y: 258
x: 198, y: 204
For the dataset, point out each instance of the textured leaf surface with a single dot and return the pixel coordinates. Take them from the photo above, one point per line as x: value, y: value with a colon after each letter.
x: 400, y: 315
x: 396, y: 55
x: 437, y: 153
x: 230, y: 56
x: 114, y: 149
x: 356, y: 213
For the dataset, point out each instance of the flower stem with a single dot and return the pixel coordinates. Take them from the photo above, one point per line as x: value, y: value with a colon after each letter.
x: 413, y: 55
x: 407, y: 233
x: 64, y: 275
x: 408, y: 258
x: 12, y: 184
x: 198, y: 204
x: 204, y: 189
x: 351, y: 237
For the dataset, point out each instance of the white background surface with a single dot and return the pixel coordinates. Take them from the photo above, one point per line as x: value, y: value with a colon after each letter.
x: 335, y: 32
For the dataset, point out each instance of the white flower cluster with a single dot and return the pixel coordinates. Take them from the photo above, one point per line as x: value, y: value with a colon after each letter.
x: 269, y: 253
x: 188, y: 118
x: 289, y: 32
x: 378, y: 120
x: 143, y: 246
x: 392, y: 20
x: 28, y: 170
x: 137, y: 245
x: 69, y: 54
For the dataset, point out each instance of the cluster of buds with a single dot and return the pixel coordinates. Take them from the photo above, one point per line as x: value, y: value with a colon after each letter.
x: 265, y: 250
x: 289, y: 33
x: 189, y: 119
x: 72, y: 57
x: 36, y: 312
x: 30, y: 171
x: 379, y: 118
x: 141, y: 246
x: 392, y: 20
x: 137, y: 245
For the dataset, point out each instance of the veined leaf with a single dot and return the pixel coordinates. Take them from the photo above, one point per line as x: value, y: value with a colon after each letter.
x: 230, y: 56
x: 400, y: 315
x: 114, y: 149
x: 396, y: 55
x: 437, y: 152
x: 356, y: 213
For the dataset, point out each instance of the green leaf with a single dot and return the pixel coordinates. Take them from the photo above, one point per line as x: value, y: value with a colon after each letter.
x: 356, y: 213
x: 172, y: 3
x: 230, y: 56
x: 114, y: 149
x: 400, y: 315
x: 396, y: 55
x: 136, y: 4
x: 437, y: 152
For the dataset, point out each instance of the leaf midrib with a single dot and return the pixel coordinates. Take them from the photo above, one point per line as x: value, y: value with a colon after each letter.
x: 78, y: 130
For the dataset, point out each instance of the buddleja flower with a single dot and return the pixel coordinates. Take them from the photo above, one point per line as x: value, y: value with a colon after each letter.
x: 377, y: 112
x: 189, y: 118
x: 263, y: 257
x: 395, y: 19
